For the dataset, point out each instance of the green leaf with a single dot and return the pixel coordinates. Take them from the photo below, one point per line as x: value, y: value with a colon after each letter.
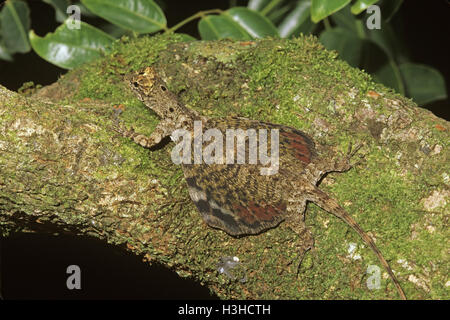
x: 361, y: 5
x: 221, y: 27
x: 278, y: 14
x: 388, y: 40
x: 272, y: 5
x: 85, y: 11
x: 15, y: 21
x: 320, y: 9
x: 346, y: 43
x: 423, y: 83
x: 143, y: 16
x: 70, y: 48
x: 382, y: 66
x: 345, y: 19
x: 4, y: 54
x: 60, y: 7
x: 113, y: 30
x: 297, y: 20
x: 253, y: 22
x: 257, y: 5
x: 389, y: 75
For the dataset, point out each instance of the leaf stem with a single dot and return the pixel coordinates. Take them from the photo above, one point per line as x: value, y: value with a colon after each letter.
x: 199, y: 14
x: 269, y: 7
x: 327, y: 24
x: 360, y: 29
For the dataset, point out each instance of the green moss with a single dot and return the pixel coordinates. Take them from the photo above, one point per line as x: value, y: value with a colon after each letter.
x: 255, y: 83
x: 102, y: 78
x: 296, y: 83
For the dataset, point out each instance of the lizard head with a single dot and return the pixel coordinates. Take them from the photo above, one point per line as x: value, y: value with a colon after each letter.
x: 153, y: 92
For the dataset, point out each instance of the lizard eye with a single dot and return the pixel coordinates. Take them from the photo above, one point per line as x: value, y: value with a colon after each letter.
x: 163, y: 88
x: 136, y: 84
x: 171, y: 109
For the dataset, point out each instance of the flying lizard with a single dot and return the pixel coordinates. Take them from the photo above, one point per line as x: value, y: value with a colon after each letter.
x: 239, y: 197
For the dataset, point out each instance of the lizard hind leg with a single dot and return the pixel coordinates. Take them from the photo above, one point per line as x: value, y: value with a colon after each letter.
x: 304, y: 240
x: 316, y: 170
x: 344, y: 162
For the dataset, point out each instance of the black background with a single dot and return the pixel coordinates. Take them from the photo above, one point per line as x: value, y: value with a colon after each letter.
x: 33, y: 266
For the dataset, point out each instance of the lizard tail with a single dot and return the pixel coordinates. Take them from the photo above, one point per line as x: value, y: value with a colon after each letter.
x: 328, y: 204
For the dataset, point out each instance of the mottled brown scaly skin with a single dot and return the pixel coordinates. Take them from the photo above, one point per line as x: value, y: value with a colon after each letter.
x: 237, y: 198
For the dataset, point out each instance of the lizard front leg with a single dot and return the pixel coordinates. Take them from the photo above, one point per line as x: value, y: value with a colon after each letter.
x: 163, y: 129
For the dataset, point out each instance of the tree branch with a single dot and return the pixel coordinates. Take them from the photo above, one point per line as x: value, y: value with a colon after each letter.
x: 62, y: 168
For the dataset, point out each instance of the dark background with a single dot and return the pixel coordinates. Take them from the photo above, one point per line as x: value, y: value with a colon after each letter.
x: 33, y: 266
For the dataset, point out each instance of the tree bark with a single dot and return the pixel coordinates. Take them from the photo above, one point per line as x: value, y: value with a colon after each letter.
x: 63, y: 169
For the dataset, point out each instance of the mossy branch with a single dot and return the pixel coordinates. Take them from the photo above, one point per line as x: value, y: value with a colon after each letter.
x: 62, y: 168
